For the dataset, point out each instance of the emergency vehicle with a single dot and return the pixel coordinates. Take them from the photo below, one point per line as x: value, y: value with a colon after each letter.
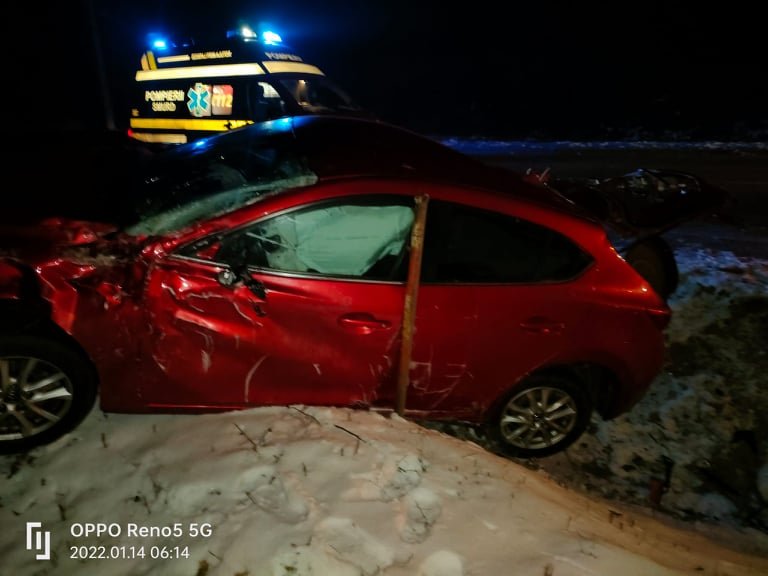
x: 184, y: 92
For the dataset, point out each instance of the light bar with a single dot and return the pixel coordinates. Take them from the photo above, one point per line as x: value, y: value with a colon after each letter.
x: 246, y: 32
x: 271, y: 38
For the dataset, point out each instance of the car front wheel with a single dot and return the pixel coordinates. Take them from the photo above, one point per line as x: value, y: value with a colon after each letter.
x: 543, y: 415
x: 46, y: 389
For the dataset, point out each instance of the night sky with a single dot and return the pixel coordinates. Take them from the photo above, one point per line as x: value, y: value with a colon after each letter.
x: 538, y: 69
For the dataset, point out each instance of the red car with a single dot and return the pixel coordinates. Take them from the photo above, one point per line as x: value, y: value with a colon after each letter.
x: 268, y: 266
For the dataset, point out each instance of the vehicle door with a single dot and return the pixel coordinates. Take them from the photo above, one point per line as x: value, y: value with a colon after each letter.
x: 302, y: 306
x: 493, y: 305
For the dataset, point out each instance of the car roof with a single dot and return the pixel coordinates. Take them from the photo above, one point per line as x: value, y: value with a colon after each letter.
x: 341, y: 147
x: 336, y: 147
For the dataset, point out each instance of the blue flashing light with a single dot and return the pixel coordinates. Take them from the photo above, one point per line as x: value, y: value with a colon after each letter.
x: 247, y: 32
x: 160, y: 44
x: 271, y: 38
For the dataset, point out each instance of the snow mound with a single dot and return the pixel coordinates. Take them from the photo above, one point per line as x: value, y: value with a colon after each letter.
x: 353, y: 545
x: 700, y: 432
x: 442, y: 563
x: 422, y: 509
x: 280, y: 491
x: 486, y: 146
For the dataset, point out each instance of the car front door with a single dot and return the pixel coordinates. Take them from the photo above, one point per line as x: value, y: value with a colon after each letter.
x: 304, y: 306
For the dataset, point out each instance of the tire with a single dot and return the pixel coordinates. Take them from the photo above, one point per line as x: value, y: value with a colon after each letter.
x: 654, y: 260
x: 542, y: 416
x: 46, y: 389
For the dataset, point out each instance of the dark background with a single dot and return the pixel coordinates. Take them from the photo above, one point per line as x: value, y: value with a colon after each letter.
x: 544, y: 69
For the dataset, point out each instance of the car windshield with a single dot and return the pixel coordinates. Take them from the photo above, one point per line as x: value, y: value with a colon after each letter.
x: 213, y: 176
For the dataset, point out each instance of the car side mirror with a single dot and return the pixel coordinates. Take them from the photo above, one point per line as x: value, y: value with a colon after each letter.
x: 227, y: 277
x: 230, y: 277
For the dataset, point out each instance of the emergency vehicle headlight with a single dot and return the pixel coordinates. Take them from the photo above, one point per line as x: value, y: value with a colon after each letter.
x: 160, y: 44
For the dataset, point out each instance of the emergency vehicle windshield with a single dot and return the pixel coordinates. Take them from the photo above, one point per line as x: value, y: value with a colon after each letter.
x: 318, y: 95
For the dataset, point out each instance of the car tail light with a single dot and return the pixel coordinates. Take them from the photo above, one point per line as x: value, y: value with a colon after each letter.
x: 659, y: 316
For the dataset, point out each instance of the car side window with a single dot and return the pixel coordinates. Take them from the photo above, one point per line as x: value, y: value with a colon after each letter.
x: 365, y: 239
x: 467, y: 244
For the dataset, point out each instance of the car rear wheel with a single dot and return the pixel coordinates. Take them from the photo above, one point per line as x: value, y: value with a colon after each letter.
x: 544, y: 415
x: 46, y: 389
x: 654, y: 260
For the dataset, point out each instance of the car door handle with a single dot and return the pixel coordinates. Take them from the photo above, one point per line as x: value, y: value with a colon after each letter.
x: 542, y: 325
x: 362, y: 323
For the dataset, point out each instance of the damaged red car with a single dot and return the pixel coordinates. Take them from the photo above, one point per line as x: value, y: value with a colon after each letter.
x: 268, y: 266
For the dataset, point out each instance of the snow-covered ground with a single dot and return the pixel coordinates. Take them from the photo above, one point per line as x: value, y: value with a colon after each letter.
x: 301, y: 490
x: 705, y: 417
x: 486, y: 146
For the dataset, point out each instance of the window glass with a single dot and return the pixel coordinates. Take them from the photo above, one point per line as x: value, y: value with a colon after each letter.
x: 363, y: 240
x: 465, y: 244
x: 214, y: 176
x: 266, y: 103
x: 318, y: 94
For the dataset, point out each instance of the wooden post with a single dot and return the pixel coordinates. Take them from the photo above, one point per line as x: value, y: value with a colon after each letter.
x: 411, y: 294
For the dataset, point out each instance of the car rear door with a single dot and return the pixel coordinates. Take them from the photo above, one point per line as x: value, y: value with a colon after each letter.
x: 495, y: 303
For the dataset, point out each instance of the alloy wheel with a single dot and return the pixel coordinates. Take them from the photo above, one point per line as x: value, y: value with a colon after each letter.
x: 538, y: 417
x: 34, y: 396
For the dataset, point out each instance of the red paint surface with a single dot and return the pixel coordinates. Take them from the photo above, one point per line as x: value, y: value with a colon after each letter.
x: 165, y: 334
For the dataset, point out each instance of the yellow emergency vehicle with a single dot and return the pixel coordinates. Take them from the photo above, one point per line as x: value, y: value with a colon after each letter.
x: 184, y: 92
